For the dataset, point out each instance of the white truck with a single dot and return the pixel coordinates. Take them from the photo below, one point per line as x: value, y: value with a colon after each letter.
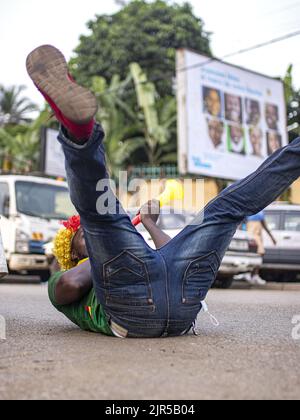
x: 31, y: 209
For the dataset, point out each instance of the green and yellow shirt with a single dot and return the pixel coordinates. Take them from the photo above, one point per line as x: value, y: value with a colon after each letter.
x: 87, y: 314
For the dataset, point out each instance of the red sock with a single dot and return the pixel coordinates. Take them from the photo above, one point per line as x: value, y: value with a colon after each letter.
x: 79, y: 131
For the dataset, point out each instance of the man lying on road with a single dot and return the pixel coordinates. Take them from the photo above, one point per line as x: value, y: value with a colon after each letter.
x: 145, y: 293
x: 73, y: 294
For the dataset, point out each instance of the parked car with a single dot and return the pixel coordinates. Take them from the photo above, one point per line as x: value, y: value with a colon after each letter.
x: 282, y: 262
x: 241, y: 256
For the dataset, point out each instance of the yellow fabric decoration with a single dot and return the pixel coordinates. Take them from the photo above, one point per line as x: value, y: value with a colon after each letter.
x: 63, y: 249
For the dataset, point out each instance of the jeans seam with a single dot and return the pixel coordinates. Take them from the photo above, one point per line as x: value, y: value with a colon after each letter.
x: 185, y: 278
x: 107, y: 277
x: 167, y: 291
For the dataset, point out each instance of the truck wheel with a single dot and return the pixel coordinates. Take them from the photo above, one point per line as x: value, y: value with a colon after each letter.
x: 290, y: 277
x: 224, y: 283
x: 44, y: 275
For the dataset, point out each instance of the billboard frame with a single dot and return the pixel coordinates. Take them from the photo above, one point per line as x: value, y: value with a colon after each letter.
x: 43, y: 154
x: 182, y: 88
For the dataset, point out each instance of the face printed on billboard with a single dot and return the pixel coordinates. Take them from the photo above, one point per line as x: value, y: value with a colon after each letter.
x: 215, y: 131
x: 274, y: 142
x: 272, y: 116
x: 212, y: 102
x: 233, y: 109
x: 253, y: 112
x: 256, y: 139
x: 236, y: 140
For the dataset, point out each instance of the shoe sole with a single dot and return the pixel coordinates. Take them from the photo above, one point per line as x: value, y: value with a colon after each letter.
x: 48, y: 69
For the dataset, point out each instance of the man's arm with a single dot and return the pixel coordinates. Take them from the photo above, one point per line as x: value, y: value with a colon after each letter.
x: 74, y: 285
x: 150, y: 214
x: 266, y: 227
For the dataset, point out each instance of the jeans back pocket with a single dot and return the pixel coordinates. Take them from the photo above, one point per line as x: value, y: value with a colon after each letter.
x: 199, y: 277
x: 127, y: 282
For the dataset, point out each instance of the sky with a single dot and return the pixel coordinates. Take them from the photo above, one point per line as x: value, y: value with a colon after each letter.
x: 234, y: 24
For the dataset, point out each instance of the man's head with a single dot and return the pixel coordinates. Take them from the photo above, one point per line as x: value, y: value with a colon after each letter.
x: 233, y: 105
x: 215, y: 131
x: 212, y: 102
x: 78, y: 248
x: 256, y: 137
x: 69, y: 244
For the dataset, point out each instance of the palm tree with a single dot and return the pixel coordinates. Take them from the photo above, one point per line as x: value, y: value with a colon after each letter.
x: 159, y: 120
x: 20, y: 146
x: 139, y: 128
x: 123, y: 131
x: 14, y: 108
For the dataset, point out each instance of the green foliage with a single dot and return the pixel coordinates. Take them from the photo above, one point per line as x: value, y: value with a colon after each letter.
x: 123, y: 133
x: 139, y: 130
x: 142, y: 131
x: 143, y: 32
x: 159, y: 120
x: 19, y: 137
x: 20, y: 145
x: 288, y: 84
x: 14, y: 108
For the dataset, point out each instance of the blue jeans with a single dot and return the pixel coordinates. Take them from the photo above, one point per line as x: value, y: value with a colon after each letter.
x: 158, y: 293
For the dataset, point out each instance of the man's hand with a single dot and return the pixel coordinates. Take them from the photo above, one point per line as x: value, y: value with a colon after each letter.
x: 150, y: 213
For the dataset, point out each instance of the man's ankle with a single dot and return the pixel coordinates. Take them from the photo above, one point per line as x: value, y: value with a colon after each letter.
x: 79, y: 134
x: 75, y: 139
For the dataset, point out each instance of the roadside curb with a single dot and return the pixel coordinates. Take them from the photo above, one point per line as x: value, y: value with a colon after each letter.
x: 291, y: 287
x: 282, y: 287
x: 11, y: 279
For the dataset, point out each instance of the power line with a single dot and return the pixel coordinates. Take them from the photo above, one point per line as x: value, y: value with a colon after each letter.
x: 265, y: 44
x: 210, y: 60
x: 243, y: 51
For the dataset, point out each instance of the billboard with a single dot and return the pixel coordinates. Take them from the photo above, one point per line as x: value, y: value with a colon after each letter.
x: 230, y: 119
x: 52, y: 156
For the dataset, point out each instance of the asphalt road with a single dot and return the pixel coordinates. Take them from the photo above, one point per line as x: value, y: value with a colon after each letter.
x: 252, y: 355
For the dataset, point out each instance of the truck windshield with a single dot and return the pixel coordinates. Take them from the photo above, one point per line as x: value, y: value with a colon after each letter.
x: 43, y: 200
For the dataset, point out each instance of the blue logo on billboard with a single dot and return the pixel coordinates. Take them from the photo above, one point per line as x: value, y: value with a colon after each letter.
x: 201, y: 164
